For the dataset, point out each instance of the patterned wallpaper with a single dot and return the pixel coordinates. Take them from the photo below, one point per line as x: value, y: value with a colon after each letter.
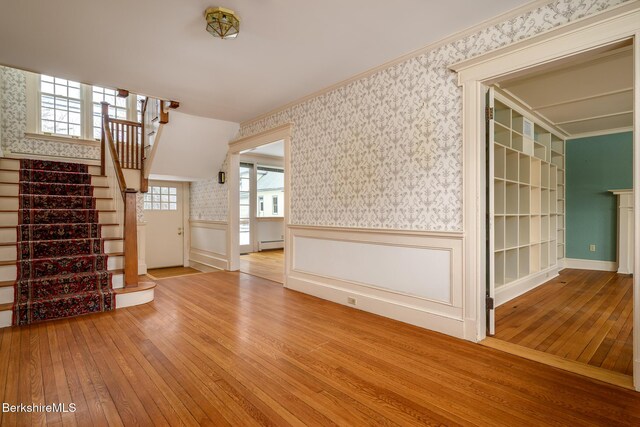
x: 208, y: 199
x: 14, y: 122
x: 386, y: 151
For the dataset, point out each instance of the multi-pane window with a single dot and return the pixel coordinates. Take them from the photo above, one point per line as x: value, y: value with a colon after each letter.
x: 117, y: 107
x: 161, y: 199
x: 275, y: 204
x: 270, y: 191
x: 60, y: 106
x: 139, y: 99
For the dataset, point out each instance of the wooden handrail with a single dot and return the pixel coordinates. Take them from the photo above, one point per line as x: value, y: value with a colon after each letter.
x: 129, y: 195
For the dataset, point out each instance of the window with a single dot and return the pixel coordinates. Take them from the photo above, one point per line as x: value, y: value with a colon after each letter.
x: 65, y: 108
x: 117, y: 107
x: 161, y: 199
x: 269, y: 190
x: 60, y: 106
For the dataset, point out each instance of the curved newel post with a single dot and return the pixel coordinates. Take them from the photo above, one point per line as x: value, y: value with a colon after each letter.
x: 130, y: 238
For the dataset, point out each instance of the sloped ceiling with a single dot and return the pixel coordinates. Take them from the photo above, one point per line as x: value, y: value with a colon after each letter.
x: 286, y: 48
x: 591, y: 94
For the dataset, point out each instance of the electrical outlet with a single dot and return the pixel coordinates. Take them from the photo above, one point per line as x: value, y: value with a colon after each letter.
x: 351, y: 300
x: 592, y: 248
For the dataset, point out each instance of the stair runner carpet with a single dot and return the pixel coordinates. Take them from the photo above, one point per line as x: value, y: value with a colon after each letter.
x: 61, y: 264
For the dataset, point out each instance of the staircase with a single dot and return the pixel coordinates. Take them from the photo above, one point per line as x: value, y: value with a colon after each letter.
x: 61, y: 244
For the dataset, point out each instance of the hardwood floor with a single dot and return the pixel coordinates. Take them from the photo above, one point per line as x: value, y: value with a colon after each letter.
x: 163, y: 273
x: 223, y: 349
x: 582, y: 315
x: 266, y: 264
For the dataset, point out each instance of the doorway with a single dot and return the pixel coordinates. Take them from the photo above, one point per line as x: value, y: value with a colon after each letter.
x: 164, y: 214
x: 560, y: 46
x: 259, y: 209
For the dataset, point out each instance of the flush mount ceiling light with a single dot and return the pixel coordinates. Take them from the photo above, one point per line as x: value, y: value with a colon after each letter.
x: 222, y: 23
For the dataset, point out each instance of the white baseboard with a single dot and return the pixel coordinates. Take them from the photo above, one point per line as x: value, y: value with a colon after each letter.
x: 206, y: 268
x: 6, y: 318
x: 589, y: 264
x: 134, y: 298
x: 515, y: 289
x: 413, y: 315
x: 142, y: 268
x: 212, y: 260
x: 262, y: 246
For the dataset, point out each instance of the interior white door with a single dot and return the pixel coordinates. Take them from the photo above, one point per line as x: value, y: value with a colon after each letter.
x: 247, y: 189
x: 165, y: 228
x: 490, y: 200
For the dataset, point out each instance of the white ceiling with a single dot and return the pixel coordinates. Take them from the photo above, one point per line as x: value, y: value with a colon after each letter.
x: 286, y: 48
x: 275, y: 149
x: 591, y: 94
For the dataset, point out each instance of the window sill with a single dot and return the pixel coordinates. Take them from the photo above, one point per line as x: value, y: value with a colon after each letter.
x: 58, y: 138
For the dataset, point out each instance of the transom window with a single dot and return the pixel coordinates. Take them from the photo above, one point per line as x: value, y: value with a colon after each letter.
x: 60, y: 106
x: 161, y: 199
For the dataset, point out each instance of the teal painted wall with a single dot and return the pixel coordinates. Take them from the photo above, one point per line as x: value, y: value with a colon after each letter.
x: 594, y: 166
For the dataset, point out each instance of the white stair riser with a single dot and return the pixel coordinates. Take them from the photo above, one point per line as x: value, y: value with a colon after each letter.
x: 99, y: 180
x: 8, y: 235
x: 9, y: 253
x: 9, y: 164
x: 13, y: 190
x: 5, y: 318
x: 111, y: 231
x: 115, y: 262
x: 117, y: 281
x: 6, y: 294
x: 8, y: 272
x: 11, y: 218
x: 94, y: 170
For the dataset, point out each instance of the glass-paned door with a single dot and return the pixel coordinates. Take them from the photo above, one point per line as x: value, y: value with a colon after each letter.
x: 246, y: 172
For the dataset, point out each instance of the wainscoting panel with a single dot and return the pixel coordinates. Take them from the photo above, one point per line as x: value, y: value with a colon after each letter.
x: 208, y: 250
x: 415, y: 277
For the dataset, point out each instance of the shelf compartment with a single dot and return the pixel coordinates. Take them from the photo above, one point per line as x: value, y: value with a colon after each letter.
x: 560, y: 251
x: 534, y: 227
x: 498, y: 233
x: 525, y: 169
x: 553, y: 227
x: 560, y: 207
x: 501, y: 135
x: 523, y: 230
x: 558, y: 160
x: 553, y: 252
x: 553, y: 202
x: 560, y: 177
x: 512, y: 162
x: 560, y: 222
x: 541, y: 134
x: 511, y: 231
x: 544, y: 175
x: 499, y: 168
x: 499, y: 268
x: 498, y: 197
x: 511, y: 195
x: 536, y: 172
x: 557, y: 144
x: 510, y: 265
x: 523, y: 262
x: 539, y: 151
x: 553, y: 176
x: 544, y: 201
x: 534, y: 259
x: 560, y: 192
x: 544, y: 256
x: 525, y: 200
x: 536, y: 203
x: 560, y: 236
x: 502, y: 114
x: 544, y: 228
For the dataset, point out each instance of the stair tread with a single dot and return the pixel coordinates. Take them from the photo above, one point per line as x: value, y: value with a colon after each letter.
x: 59, y: 183
x: 46, y: 170
x: 142, y: 286
x: 7, y: 283
x: 6, y: 307
x: 62, y: 240
x: 8, y: 262
x: 59, y: 209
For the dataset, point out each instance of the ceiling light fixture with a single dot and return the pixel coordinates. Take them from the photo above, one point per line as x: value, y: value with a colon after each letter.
x: 222, y: 23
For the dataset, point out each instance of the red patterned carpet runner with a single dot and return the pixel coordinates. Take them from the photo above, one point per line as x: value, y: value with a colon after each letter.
x: 62, y: 267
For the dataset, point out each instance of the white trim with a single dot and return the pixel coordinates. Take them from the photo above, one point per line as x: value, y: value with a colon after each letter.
x: 515, y: 289
x: 61, y: 138
x: 434, y: 314
x: 590, y: 264
x: 600, y: 133
x: 18, y: 155
x: 603, y: 116
x: 208, y: 259
x: 561, y: 44
x: 282, y: 132
x: 129, y: 299
x: 636, y: 210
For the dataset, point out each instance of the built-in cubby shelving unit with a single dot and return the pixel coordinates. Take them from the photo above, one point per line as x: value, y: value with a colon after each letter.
x: 528, y: 195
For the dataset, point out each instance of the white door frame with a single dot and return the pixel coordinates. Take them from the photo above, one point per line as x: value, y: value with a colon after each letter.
x: 282, y: 132
x: 618, y: 24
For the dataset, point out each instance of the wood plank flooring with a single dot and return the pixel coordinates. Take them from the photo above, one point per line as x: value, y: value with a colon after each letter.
x: 582, y: 315
x: 163, y: 273
x: 266, y: 264
x: 224, y: 349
